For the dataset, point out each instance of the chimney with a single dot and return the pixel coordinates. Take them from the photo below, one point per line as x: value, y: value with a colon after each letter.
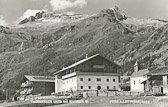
x: 136, y: 67
x: 63, y: 68
x: 86, y: 56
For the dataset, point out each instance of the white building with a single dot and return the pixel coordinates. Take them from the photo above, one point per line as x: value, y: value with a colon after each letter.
x: 137, y: 79
x: 91, y: 73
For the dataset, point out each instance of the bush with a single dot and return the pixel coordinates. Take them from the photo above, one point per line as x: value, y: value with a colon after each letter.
x: 159, y: 94
x: 2, y: 95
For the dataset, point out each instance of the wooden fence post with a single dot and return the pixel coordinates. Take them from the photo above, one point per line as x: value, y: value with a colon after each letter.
x: 36, y: 104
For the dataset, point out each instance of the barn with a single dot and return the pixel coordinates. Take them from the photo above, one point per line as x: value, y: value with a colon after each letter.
x: 157, y: 80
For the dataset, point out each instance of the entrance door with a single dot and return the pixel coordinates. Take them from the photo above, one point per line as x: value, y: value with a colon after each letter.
x: 98, y: 87
x: 161, y: 88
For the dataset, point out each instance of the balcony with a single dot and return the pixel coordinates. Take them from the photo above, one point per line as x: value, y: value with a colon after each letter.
x: 26, y: 91
x: 24, y: 85
x: 69, y: 75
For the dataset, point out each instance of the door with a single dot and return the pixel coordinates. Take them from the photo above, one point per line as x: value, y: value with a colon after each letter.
x: 161, y: 89
x: 98, y: 87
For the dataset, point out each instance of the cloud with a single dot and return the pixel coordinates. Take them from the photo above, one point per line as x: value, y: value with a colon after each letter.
x: 2, y: 21
x: 65, y: 4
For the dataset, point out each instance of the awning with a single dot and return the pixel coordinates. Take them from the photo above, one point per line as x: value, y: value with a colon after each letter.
x: 124, y: 85
x: 145, y: 80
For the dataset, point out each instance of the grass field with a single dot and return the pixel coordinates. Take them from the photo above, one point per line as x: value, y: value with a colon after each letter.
x: 105, y: 102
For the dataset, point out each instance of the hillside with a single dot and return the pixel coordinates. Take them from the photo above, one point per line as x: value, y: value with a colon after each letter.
x: 50, y: 41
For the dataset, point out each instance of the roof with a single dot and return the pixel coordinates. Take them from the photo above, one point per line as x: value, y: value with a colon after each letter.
x: 140, y: 73
x: 159, y: 71
x: 40, y: 78
x: 78, y: 63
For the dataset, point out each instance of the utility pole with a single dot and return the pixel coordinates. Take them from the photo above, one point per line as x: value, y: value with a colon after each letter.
x: 6, y: 91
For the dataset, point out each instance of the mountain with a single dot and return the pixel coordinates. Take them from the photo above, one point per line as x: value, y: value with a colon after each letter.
x: 48, y: 41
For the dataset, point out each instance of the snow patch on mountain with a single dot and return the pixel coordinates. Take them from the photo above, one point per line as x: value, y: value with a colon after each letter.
x: 144, y: 22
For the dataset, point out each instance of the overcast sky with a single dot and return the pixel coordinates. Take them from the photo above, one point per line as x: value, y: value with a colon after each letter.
x: 14, y: 10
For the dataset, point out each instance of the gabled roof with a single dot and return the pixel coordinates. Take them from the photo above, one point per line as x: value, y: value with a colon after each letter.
x: 159, y: 71
x: 78, y: 63
x: 140, y: 73
x: 40, y: 78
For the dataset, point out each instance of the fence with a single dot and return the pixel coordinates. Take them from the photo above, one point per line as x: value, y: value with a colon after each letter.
x: 38, y: 101
x: 113, y: 93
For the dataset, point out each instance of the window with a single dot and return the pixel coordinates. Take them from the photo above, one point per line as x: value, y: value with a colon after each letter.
x: 107, y: 80
x: 81, y: 87
x: 89, y: 79
x: 114, y: 87
x: 134, y: 82
x: 108, y: 87
x: 81, y: 79
x: 89, y: 87
x: 113, y: 80
x: 98, y: 79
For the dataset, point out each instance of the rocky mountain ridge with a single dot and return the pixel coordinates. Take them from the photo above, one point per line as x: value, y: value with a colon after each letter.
x: 55, y: 17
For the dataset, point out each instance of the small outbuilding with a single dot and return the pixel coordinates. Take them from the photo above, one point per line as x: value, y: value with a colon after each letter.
x: 34, y: 85
x: 157, y: 80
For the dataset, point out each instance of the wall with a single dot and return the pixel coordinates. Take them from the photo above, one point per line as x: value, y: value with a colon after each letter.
x: 43, y: 88
x: 58, y: 84
x: 98, y: 64
x: 94, y: 83
x: 137, y: 87
x: 70, y: 84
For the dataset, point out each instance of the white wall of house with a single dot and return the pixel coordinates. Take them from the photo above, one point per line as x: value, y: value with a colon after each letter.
x: 58, y: 85
x: 136, y: 85
x: 70, y: 84
x: 83, y: 82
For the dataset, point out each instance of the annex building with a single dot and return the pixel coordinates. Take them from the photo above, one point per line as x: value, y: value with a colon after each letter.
x: 34, y: 85
x: 92, y: 73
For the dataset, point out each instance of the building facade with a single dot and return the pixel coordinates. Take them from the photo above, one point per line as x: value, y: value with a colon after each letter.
x: 157, y: 80
x: 91, y: 73
x: 137, y: 79
x: 34, y: 85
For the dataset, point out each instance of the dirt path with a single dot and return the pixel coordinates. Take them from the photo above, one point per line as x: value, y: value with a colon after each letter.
x: 157, y: 101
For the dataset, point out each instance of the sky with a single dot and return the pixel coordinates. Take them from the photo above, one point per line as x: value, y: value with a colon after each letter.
x: 12, y: 11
